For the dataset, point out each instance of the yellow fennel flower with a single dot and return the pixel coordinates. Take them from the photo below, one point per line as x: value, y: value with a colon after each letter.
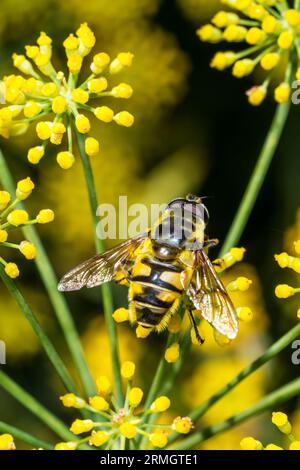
x: 11, y: 217
x: 41, y: 90
x: 270, y: 36
x: 121, y: 423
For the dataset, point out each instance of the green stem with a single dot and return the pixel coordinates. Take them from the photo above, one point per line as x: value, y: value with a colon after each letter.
x: 105, y: 288
x: 271, y: 352
x: 260, y: 171
x: 297, y: 5
x: 24, y: 436
x: 58, y: 301
x: 271, y: 401
x: 46, y: 343
x: 29, y: 402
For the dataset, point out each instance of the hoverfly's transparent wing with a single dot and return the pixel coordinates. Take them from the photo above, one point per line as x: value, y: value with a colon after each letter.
x: 101, y: 268
x: 208, y: 295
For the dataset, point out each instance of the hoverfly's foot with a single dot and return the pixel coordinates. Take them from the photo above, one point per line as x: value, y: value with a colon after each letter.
x: 211, y: 243
x: 218, y: 263
x: 199, y: 337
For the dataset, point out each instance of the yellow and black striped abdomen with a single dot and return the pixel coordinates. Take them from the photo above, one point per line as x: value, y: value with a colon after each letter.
x: 155, y: 291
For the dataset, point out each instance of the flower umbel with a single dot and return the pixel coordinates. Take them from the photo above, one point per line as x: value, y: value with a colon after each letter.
x: 62, y: 102
x: 281, y: 421
x: 11, y: 218
x: 116, y: 427
x: 271, y: 31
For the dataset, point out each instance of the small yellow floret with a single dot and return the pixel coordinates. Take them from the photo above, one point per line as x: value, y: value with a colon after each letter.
x: 160, y: 404
x: 81, y: 425
x: 65, y: 159
x: 18, y: 217
x: 128, y: 369
x: 135, y: 396
x: 120, y: 315
x: 172, y: 353
x: 91, y: 146
x: 249, y: 443
x: 27, y: 249
x: 12, y: 270
x: 128, y: 430
x: 283, y: 291
x: 45, y: 216
x: 99, y: 403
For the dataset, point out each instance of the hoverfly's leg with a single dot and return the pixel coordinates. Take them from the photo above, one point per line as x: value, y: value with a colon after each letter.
x: 195, y: 327
x: 163, y: 324
x: 211, y: 243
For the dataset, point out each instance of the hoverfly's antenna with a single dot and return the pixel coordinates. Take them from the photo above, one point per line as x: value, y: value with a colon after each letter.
x: 194, y: 325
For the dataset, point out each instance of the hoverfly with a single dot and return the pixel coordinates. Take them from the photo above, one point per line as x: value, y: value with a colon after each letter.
x: 162, y: 265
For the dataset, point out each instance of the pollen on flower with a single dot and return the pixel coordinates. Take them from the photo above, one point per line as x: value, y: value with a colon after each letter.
x: 182, y: 425
x: 63, y: 94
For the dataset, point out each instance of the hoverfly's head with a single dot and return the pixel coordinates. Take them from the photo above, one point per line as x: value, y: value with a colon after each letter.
x: 183, y: 224
x: 193, y: 205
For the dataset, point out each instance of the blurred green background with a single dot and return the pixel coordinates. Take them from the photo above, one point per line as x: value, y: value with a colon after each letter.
x: 194, y: 132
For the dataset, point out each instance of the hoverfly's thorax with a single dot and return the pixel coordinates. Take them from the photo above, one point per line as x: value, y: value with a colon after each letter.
x: 181, y: 226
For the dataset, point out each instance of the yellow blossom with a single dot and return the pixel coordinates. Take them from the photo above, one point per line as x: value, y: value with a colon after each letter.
x: 160, y: 404
x: 128, y: 430
x: 283, y: 291
x: 98, y: 438
x: 121, y: 315
x: 45, y: 216
x: 128, y: 369
x: 12, y: 270
x: 48, y: 91
x: 7, y: 442
x: 82, y: 425
x: 135, y: 396
x: 91, y: 146
x: 249, y: 443
x: 172, y: 353
x: 72, y: 401
x: 103, y: 385
x: 182, y: 425
x: 66, y: 446
x: 27, y: 249
x: 99, y: 403
x: 158, y: 439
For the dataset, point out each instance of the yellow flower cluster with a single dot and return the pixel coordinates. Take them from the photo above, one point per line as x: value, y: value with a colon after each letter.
x: 272, y: 32
x: 11, y: 218
x: 43, y: 91
x: 281, y: 421
x: 284, y: 260
x: 113, y: 426
x: 240, y: 284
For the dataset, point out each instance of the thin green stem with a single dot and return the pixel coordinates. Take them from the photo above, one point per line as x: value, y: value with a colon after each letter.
x: 46, y: 343
x: 29, y: 402
x: 58, y: 301
x: 260, y: 171
x: 297, y: 5
x: 271, y: 401
x: 271, y: 352
x: 24, y: 436
x: 106, y: 291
